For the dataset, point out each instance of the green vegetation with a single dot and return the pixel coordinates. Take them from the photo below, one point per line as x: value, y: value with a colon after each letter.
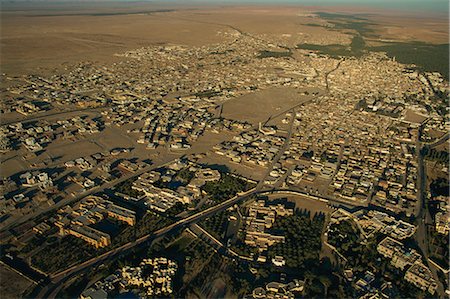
x: 126, y: 188
x: 243, y: 249
x: 217, y: 267
x: 68, y: 251
x: 227, y: 187
x: 439, y: 187
x: 436, y: 155
x: 313, y: 25
x: 274, y: 54
x: 303, y: 239
x: 363, y: 256
x: 428, y: 57
x: 185, y: 176
x: 343, y: 236
x: 71, y: 250
x: 216, y: 225
x: 348, y: 22
x: 333, y: 50
x: 357, y: 45
x: 338, y: 16
x: 355, y: 49
x: 176, y: 209
x: 439, y: 248
x: 33, y: 243
x: 149, y: 223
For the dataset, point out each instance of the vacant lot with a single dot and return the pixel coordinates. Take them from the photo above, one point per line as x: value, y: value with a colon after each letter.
x: 12, y: 285
x: 262, y: 105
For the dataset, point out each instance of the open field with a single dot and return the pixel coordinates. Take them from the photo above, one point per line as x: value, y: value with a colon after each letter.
x: 261, y: 105
x: 39, y: 40
x: 15, y: 285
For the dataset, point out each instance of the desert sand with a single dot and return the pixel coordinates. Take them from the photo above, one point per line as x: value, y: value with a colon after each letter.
x: 40, y: 39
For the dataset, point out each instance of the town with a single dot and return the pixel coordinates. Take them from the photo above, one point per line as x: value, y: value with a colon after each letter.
x: 298, y: 172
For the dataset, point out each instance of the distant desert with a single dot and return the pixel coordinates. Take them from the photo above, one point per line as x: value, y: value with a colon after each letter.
x: 39, y: 41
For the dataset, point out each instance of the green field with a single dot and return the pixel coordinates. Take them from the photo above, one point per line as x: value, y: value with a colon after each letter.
x: 428, y: 57
x: 356, y: 48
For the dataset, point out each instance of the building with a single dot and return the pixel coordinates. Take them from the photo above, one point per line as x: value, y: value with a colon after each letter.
x: 279, y: 261
x: 421, y: 277
x: 406, y: 258
x: 76, y: 220
x: 119, y: 213
x: 92, y: 236
x: 442, y: 217
x: 279, y: 290
x: 261, y: 217
x: 388, y: 247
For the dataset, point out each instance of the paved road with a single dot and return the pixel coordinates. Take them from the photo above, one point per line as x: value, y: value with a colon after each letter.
x: 440, y: 141
x: 327, y: 84
x: 423, y: 215
x: 60, y: 278
x: 50, y: 114
x: 70, y: 200
x: 279, y: 153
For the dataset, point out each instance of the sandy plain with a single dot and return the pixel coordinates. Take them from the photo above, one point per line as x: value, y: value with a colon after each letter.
x: 15, y: 285
x: 46, y: 39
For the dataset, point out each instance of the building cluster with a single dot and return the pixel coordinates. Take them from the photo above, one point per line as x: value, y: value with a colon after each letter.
x: 152, y: 278
x: 356, y: 142
x: 179, y: 92
x: 35, y: 136
x: 33, y: 190
x: 27, y: 108
x: 85, y: 163
x: 374, y: 222
x: 408, y: 259
x: 279, y: 290
x: 36, y: 179
x: 252, y: 148
x: 163, y: 198
x: 357, y: 156
x: 442, y: 216
x: 384, y: 106
x: 175, y: 123
x: 25, y: 105
x: 78, y: 220
x: 259, y: 220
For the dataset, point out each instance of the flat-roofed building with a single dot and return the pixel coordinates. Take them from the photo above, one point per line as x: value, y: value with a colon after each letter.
x: 421, y: 277
x: 92, y: 236
x: 120, y: 213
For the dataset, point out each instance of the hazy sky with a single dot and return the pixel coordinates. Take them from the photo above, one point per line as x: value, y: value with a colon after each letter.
x: 439, y: 6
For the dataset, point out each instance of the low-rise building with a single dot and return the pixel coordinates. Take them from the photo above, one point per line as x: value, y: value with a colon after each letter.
x: 421, y: 277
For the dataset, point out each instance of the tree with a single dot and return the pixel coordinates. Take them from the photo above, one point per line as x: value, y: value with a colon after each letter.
x: 326, y: 282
